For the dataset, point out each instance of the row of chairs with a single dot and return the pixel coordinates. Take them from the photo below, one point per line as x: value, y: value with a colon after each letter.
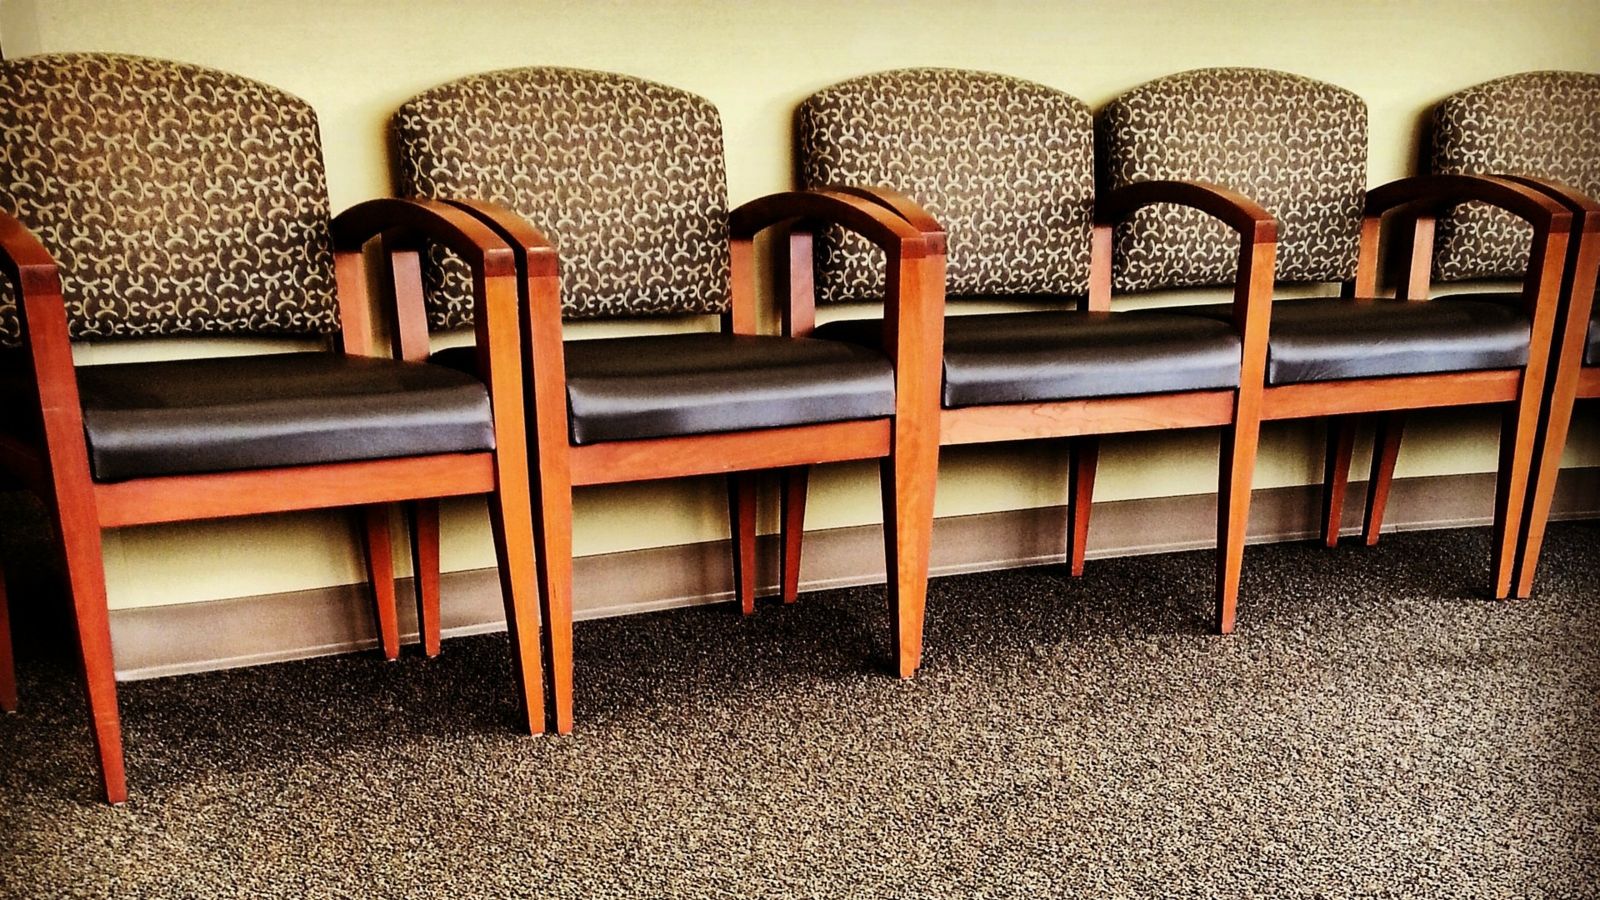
x: 143, y: 198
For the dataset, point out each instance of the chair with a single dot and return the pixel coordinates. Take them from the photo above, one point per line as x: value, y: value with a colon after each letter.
x: 143, y: 199
x: 627, y: 176
x: 1542, y: 130
x: 1005, y: 166
x: 1299, y: 147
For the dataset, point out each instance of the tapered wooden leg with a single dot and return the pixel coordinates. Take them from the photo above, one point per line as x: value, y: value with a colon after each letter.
x: 1084, y: 455
x: 511, y: 520
x: 77, y: 524
x: 742, y: 527
x: 1386, y: 450
x: 1516, y: 463
x: 794, y: 527
x: 425, y: 571
x: 8, y: 671
x: 380, y: 571
x: 552, y: 528
x: 1238, y: 465
x: 1336, y: 475
x: 907, y: 479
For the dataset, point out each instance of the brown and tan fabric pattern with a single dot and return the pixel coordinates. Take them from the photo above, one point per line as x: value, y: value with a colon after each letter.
x: 1545, y: 124
x: 1296, y: 146
x: 177, y: 200
x: 625, y: 176
x: 1006, y: 165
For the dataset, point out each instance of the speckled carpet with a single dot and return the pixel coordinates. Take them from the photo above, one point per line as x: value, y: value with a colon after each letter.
x: 1376, y: 728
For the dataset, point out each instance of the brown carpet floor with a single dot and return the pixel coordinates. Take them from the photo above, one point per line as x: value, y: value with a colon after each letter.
x: 1376, y: 728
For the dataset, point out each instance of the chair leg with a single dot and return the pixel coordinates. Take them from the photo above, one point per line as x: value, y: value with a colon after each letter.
x: 425, y: 571
x: 1238, y: 465
x: 1546, y: 473
x: 1084, y: 455
x: 907, y: 479
x: 8, y: 670
x: 1517, y: 436
x: 794, y: 525
x: 380, y: 572
x: 511, y: 520
x: 1336, y: 475
x: 742, y: 528
x: 78, y: 527
x: 552, y: 529
x: 1391, y: 427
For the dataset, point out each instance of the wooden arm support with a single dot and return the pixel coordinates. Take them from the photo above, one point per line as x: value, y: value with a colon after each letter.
x: 807, y: 210
x: 36, y: 283
x: 1421, y: 198
x: 1258, y: 243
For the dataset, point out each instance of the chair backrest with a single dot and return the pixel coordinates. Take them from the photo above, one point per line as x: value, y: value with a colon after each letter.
x: 1544, y: 124
x: 176, y: 200
x: 1296, y: 146
x: 1005, y: 165
x: 625, y: 176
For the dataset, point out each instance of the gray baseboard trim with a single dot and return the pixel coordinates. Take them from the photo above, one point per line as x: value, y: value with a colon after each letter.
x: 169, y: 640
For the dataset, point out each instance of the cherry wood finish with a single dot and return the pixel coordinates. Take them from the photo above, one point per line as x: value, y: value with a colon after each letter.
x: 1237, y: 411
x: 58, y: 467
x: 1336, y: 476
x: 1391, y: 426
x: 906, y: 442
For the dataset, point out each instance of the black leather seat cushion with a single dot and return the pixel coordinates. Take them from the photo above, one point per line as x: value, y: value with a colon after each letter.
x: 215, y: 415
x: 1067, y: 355
x: 669, y: 385
x: 1329, y: 339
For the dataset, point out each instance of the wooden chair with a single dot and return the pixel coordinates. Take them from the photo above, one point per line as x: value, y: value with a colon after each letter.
x: 144, y: 198
x: 627, y: 176
x: 1299, y: 147
x: 1005, y: 166
x: 1542, y: 130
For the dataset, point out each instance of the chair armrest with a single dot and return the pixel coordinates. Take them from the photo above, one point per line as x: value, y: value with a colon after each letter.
x: 541, y: 333
x: 1258, y: 248
x: 1247, y: 217
x: 914, y: 305
x: 1418, y: 201
x: 404, y: 225
x: 36, y: 282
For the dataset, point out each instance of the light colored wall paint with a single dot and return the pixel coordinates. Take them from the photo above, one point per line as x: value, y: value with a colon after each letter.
x: 356, y: 60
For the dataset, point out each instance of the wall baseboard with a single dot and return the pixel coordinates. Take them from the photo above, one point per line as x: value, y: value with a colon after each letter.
x: 169, y: 640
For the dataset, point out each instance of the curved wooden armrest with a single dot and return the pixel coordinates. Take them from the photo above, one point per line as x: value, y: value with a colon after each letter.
x: 1438, y: 191
x: 868, y: 219
x: 534, y: 251
x: 1232, y: 208
x: 902, y: 206
x: 1574, y: 199
x: 427, y: 219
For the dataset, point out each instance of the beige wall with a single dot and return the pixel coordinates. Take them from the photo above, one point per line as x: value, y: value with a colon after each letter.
x: 356, y: 61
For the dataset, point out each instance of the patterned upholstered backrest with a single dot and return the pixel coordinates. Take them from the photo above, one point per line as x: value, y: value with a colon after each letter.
x: 1007, y: 166
x: 625, y: 176
x: 176, y: 200
x: 1545, y: 124
x: 1296, y: 146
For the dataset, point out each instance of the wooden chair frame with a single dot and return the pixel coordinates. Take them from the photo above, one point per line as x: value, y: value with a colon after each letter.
x: 57, y: 468
x: 1236, y: 411
x: 1567, y: 380
x: 1418, y: 201
x: 906, y: 443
